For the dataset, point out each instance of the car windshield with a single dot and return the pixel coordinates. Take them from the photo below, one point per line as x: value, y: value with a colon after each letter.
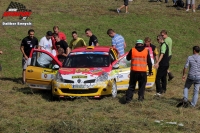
x: 87, y: 60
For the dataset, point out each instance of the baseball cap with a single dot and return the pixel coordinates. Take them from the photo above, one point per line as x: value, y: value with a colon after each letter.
x: 49, y: 33
x: 139, y: 41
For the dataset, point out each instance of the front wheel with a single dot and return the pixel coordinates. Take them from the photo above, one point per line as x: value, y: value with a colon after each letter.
x: 114, y: 89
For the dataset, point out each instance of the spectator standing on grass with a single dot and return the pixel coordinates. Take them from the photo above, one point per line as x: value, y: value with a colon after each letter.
x: 93, y: 39
x: 152, y: 49
x: 76, y: 41
x: 162, y: 66
x: 124, y: 5
x: 190, y: 2
x: 61, y: 44
x: 118, y: 41
x: 27, y: 44
x: 193, y: 62
x: 140, y: 58
x: 168, y: 41
x: 61, y: 35
x: 45, y: 42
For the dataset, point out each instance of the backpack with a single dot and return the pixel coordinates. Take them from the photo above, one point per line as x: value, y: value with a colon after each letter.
x: 179, y: 3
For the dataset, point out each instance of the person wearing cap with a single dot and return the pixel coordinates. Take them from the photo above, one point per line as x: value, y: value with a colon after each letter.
x: 140, y: 59
x: 27, y: 44
x: 162, y: 66
x: 118, y: 41
x: 45, y: 42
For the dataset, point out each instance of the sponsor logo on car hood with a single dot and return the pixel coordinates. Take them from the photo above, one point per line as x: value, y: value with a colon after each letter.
x: 80, y: 72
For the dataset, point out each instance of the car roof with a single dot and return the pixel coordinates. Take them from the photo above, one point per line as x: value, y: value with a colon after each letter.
x: 92, y: 49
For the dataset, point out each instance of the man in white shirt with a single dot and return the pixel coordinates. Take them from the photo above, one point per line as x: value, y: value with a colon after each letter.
x: 46, y: 42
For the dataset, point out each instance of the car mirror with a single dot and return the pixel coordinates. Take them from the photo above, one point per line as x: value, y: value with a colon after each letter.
x: 116, y: 66
x: 55, y: 67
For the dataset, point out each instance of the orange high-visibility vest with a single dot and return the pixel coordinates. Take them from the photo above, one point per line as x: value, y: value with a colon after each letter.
x: 139, y: 60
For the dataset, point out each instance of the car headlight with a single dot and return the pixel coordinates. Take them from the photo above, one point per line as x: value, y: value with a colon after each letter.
x: 58, y: 77
x: 103, y: 77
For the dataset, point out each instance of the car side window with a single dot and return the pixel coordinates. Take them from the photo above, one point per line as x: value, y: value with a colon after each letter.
x: 41, y: 60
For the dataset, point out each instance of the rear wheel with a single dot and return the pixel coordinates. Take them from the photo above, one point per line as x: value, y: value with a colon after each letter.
x: 114, y: 89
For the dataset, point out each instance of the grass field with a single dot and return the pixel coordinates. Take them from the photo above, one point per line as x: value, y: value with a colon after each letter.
x: 25, y: 112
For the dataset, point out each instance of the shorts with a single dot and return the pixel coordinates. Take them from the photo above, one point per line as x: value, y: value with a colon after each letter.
x: 24, y: 63
x: 126, y: 2
x: 189, y: 2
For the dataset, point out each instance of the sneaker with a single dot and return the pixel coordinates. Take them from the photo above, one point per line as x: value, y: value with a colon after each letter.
x: 193, y: 10
x: 118, y: 10
x: 187, y: 10
x: 158, y: 94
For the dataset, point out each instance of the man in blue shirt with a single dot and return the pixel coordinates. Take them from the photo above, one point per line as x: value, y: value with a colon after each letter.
x: 118, y: 41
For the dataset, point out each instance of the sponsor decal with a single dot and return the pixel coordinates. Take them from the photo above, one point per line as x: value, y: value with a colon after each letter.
x: 96, y: 70
x: 148, y: 84
x: 82, y: 70
x: 45, y: 75
x: 120, y: 76
x: 79, y: 76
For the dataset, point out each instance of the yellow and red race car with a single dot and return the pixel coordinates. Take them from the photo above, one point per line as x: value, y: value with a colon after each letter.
x: 87, y: 71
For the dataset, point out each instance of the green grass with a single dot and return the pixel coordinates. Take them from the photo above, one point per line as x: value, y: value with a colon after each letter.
x: 24, y: 111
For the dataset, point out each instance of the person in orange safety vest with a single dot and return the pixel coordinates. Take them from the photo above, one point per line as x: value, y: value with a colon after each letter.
x: 140, y: 59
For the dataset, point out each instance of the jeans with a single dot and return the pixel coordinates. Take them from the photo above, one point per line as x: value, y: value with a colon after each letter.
x: 188, y: 84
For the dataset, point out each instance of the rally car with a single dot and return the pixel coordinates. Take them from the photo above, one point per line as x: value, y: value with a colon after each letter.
x: 87, y: 71
x: 94, y: 72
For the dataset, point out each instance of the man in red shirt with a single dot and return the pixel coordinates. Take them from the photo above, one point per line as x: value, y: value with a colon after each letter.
x: 61, y: 35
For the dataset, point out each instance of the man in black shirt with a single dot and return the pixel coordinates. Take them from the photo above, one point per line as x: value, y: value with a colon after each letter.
x: 61, y: 44
x: 27, y: 44
x: 162, y: 66
x: 93, y: 39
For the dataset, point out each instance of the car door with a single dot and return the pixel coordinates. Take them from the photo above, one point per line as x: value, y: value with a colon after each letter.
x: 123, y: 73
x: 40, y: 72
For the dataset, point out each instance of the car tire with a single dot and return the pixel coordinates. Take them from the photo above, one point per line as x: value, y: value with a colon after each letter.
x: 114, y: 89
